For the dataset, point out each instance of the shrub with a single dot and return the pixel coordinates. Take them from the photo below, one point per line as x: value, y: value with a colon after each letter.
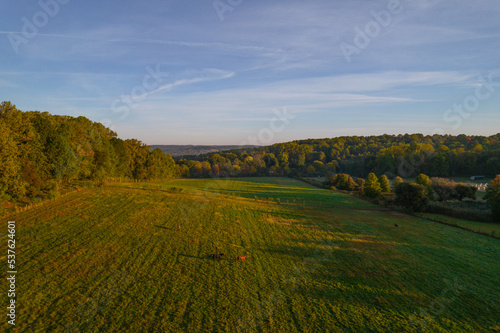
x: 342, y: 182
x: 2, y: 208
x: 351, y: 185
x: 51, y: 189
x: 361, y: 186
x: 87, y: 183
x: 493, y: 197
x: 444, y: 188
x: 99, y: 182
x: 175, y: 189
x: 412, y: 196
x: 395, y: 182
x: 467, y: 210
x: 465, y: 191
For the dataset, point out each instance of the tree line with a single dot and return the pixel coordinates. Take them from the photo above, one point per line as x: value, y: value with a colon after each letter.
x: 393, y: 155
x: 38, y: 151
x: 423, y: 194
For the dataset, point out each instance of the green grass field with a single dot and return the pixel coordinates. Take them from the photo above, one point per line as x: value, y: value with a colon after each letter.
x: 484, y: 227
x: 113, y: 260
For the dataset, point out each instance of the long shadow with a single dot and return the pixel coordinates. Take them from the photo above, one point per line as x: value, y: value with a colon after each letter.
x: 162, y: 227
x: 208, y: 257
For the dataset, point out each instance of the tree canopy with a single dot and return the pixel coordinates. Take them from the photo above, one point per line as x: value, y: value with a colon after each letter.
x: 493, y: 197
x: 405, y: 156
x: 37, y: 148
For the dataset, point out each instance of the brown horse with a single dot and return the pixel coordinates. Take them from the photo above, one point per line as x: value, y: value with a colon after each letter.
x: 241, y: 257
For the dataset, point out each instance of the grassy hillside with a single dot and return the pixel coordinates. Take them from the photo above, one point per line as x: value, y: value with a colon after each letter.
x: 113, y: 260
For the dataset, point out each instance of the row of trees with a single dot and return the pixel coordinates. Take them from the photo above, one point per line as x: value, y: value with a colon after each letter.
x: 414, y: 195
x: 39, y: 150
x: 394, y: 155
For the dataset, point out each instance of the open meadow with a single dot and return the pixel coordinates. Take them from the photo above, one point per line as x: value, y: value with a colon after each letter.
x: 135, y: 257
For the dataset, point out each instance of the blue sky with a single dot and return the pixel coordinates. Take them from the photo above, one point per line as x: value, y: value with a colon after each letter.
x: 219, y: 72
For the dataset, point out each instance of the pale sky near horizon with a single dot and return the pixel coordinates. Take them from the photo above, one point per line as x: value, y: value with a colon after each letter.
x: 218, y: 72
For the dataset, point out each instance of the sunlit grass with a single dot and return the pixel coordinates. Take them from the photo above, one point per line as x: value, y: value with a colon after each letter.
x: 113, y: 260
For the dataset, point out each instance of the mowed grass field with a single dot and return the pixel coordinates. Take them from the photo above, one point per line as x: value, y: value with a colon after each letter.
x: 113, y: 260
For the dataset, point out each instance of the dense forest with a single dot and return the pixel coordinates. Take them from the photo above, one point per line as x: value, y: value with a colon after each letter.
x: 38, y: 151
x: 393, y: 155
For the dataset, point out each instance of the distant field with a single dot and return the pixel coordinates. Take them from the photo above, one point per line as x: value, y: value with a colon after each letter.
x: 113, y: 260
x: 190, y: 150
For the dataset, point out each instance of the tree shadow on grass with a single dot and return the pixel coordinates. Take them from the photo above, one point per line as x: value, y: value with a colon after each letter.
x: 206, y: 257
x: 166, y: 228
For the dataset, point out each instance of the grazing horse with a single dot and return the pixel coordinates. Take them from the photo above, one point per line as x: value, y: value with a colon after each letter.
x: 241, y: 257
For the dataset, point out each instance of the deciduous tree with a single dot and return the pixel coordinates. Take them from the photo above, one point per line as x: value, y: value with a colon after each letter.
x: 444, y: 188
x: 372, y: 186
x: 465, y: 191
x: 493, y: 197
x: 384, y: 184
x: 395, y: 182
x: 412, y: 196
x: 425, y: 181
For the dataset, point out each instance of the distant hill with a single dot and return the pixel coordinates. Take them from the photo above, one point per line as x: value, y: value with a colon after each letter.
x: 181, y: 150
x: 405, y: 155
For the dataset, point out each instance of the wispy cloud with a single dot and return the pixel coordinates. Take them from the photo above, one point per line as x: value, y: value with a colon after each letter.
x: 306, y: 95
x: 210, y: 75
x: 96, y: 36
x: 8, y: 84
